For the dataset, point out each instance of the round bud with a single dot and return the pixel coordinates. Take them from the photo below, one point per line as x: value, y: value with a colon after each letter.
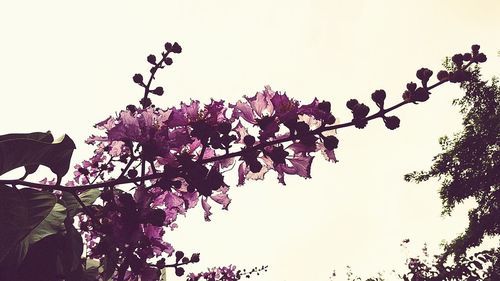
x: 420, y: 74
x: 481, y: 57
x: 330, y: 119
x: 179, y: 271
x: 132, y: 173
x: 361, y: 110
x: 352, y: 103
x: 249, y: 140
x: 407, y: 95
x: 411, y: 86
x: 179, y: 255
x: 255, y: 166
x: 168, y: 46
x: 176, y: 48
x: 391, y: 122
x: 458, y: 59
x: 185, y: 260
x: 442, y: 75
x: 151, y: 59
x: 331, y: 142
x: 138, y: 78
x: 420, y: 95
x: 475, y: 48
x: 195, y: 257
x: 107, y: 195
x: 325, y: 106
x: 467, y: 57
x: 160, y: 263
x: 302, y: 128
x: 424, y: 74
x: 132, y: 108
x: 224, y: 128
x: 168, y: 61
x: 158, y: 91
x: 378, y: 97
x: 145, y: 102
x: 83, y: 171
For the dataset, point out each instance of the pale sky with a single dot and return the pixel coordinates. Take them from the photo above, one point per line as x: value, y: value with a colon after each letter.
x: 66, y: 65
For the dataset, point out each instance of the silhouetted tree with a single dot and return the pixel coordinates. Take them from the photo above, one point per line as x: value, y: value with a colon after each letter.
x: 468, y: 168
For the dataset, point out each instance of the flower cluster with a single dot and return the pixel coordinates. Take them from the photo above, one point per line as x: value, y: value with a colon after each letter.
x: 177, y: 157
x: 225, y: 273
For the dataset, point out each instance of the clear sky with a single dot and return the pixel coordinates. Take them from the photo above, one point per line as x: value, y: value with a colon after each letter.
x: 66, y: 65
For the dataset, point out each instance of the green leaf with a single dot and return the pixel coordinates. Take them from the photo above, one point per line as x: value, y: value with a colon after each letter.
x: 20, y: 212
x: 30, y: 150
x: 52, y: 224
x: 88, y: 197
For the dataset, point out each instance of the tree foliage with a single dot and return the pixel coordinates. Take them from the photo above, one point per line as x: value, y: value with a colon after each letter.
x: 468, y: 167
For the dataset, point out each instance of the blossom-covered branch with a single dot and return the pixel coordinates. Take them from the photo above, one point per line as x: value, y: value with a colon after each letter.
x: 182, y: 154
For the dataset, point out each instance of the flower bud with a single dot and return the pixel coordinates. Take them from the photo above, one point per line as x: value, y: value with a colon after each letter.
x: 151, y: 59
x: 302, y: 128
x: 411, y: 86
x: 132, y: 108
x: 442, y: 75
x: 420, y: 95
x: 467, y: 57
x: 158, y: 91
x: 83, y: 171
x: 325, y: 106
x: 224, y: 128
x: 361, y: 110
x: 107, y: 195
x: 475, y: 48
x: 424, y: 74
x: 168, y: 61
x: 179, y: 271
x: 132, y: 173
x: 378, y: 97
x: 330, y: 119
x: 249, y: 140
x: 145, y: 102
x: 481, y: 57
x: 406, y: 95
x: 195, y: 257
x: 331, y: 142
x: 458, y: 59
x: 255, y: 166
x: 176, y: 48
x: 352, y: 103
x: 138, y: 78
x: 168, y: 46
x: 179, y: 255
x: 391, y: 122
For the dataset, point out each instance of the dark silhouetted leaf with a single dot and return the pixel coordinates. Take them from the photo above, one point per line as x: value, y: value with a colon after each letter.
x: 71, y: 250
x: 42, y: 262
x: 20, y: 212
x: 18, y: 151
x: 38, y: 136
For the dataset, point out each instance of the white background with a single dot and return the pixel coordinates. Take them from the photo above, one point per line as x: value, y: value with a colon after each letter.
x: 66, y: 65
